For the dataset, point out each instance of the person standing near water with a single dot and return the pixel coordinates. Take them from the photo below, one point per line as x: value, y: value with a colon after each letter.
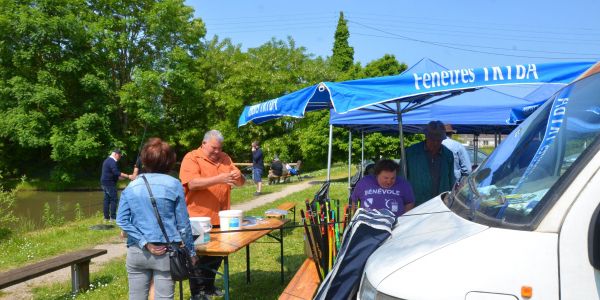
x: 108, y: 180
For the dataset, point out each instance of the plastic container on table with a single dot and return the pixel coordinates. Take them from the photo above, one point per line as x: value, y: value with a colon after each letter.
x: 201, y: 227
x: 231, y: 219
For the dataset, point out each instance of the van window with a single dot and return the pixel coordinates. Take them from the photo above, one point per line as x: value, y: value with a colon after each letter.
x: 513, y: 181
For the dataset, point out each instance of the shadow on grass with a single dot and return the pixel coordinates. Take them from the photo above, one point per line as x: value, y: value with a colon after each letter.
x: 5, y: 233
x: 342, y: 179
x: 263, y: 284
x: 99, y: 281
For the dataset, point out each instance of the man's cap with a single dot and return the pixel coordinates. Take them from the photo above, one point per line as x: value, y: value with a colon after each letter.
x: 117, y: 151
x: 449, y: 128
x: 435, y: 131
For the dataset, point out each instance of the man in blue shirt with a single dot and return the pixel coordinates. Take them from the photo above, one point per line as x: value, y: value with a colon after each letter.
x: 108, y: 180
x: 462, y: 163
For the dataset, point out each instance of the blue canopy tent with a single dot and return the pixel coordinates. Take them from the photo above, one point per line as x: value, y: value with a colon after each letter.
x: 424, y: 84
x: 539, y: 96
x: 485, y: 110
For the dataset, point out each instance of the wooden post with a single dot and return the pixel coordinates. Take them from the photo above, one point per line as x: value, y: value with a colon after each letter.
x: 80, y: 276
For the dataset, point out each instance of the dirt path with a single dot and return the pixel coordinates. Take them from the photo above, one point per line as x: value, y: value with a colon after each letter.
x: 116, y: 248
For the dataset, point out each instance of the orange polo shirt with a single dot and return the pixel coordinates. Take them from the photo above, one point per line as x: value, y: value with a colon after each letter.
x: 209, y: 201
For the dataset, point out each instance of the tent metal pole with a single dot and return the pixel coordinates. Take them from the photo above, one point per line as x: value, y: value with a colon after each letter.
x: 349, y: 160
x: 329, y: 155
x: 402, y: 154
x: 362, y: 151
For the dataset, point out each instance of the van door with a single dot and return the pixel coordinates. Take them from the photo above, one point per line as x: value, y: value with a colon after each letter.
x: 578, y: 278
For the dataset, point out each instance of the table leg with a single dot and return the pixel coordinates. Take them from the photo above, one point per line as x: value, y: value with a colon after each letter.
x: 281, y: 251
x: 248, y: 263
x: 226, y: 277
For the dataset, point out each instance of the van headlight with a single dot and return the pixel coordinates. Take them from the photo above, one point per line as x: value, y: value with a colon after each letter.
x: 368, y: 292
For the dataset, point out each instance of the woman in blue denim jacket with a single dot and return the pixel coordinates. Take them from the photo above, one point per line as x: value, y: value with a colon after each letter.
x: 146, y: 244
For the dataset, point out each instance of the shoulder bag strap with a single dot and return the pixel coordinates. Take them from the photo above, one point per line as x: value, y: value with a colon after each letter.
x: 160, y: 223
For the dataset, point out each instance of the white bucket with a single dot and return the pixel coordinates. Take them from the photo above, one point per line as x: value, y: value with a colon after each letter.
x: 201, y: 226
x: 231, y: 219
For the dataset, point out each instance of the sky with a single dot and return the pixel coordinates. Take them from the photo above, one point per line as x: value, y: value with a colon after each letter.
x: 456, y: 34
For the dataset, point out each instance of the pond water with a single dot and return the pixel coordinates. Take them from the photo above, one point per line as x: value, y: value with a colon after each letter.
x: 30, y: 205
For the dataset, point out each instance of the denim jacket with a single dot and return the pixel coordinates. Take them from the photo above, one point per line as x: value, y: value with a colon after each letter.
x: 136, y: 215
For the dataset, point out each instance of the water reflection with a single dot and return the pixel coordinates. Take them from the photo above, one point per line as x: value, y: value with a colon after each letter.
x: 30, y: 204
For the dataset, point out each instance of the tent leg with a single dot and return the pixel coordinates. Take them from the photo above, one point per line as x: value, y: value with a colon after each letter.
x: 362, y: 152
x: 329, y: 156
x: 402, y: 155
x: 349, y: 160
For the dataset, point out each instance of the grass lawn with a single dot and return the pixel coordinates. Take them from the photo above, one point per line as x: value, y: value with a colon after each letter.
x: 25, y: 248
x: 20, y: 248
x: 111, y: 281
x: 246, y: 193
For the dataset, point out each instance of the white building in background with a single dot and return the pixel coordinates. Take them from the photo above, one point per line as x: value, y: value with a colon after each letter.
x: 484, y: 140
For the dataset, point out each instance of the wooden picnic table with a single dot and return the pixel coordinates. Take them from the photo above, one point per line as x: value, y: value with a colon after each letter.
x: 223, y: 243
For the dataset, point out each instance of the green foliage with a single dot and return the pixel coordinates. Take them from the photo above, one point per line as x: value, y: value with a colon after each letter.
x: 343, y: 55
x: 385, y: 66
x: 78, y: 78
x: 7, y: 204
x: 78, y: 212
x: 30, y: 247
x: 53, y: 216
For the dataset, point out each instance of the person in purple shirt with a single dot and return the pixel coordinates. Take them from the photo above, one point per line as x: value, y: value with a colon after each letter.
x: 384, y: 189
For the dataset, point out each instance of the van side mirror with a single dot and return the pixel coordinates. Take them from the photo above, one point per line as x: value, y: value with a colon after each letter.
x: 594, y: 239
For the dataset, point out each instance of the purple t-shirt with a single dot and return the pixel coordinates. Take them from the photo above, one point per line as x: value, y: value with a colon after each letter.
x: 373, y: 196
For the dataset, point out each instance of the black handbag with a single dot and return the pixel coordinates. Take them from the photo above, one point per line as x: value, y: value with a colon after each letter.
x: 179, y: 257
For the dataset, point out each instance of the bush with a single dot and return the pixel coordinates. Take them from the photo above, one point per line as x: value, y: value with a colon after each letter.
x: 53, y: 217
x: 78, y: 212
x: 7, y: 205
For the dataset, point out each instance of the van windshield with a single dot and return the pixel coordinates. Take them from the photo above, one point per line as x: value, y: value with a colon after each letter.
x: 509, y: 187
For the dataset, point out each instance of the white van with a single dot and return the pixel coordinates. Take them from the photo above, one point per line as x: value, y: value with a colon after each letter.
x: 525, y: 225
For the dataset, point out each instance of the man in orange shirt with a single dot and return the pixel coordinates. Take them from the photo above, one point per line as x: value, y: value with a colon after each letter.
x: 207, y: 175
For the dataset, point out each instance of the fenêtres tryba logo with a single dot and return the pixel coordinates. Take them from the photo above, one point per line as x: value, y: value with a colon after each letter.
x: 481, y: 76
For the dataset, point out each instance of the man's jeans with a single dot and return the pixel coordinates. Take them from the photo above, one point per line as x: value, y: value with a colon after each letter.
x: 110, y: 202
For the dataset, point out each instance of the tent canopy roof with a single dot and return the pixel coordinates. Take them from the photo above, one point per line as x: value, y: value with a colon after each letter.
x: 422, y: 85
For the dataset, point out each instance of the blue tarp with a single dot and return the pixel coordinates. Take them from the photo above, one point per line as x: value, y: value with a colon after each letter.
x: 424, y: 83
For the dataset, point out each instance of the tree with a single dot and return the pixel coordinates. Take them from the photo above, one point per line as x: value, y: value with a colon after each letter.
x: 236, y: 79
x: 343, y: 55
x: 385, y: 66
x: 79, y: 77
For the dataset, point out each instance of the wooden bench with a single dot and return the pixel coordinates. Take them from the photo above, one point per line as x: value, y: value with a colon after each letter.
x: 78, y: 260
x: 304, y: 284
x: 289, y: 206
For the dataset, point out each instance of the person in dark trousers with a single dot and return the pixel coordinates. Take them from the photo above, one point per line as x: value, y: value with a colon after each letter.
x: 207, y: 175
x: 258, y: 166
x: 276, y: 170
x: 108, y: 180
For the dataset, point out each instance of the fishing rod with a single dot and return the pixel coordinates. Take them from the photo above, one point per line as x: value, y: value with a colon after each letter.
x: 137, y: 158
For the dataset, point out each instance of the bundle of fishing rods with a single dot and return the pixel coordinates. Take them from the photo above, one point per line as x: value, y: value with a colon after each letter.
x: 324, y: 227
